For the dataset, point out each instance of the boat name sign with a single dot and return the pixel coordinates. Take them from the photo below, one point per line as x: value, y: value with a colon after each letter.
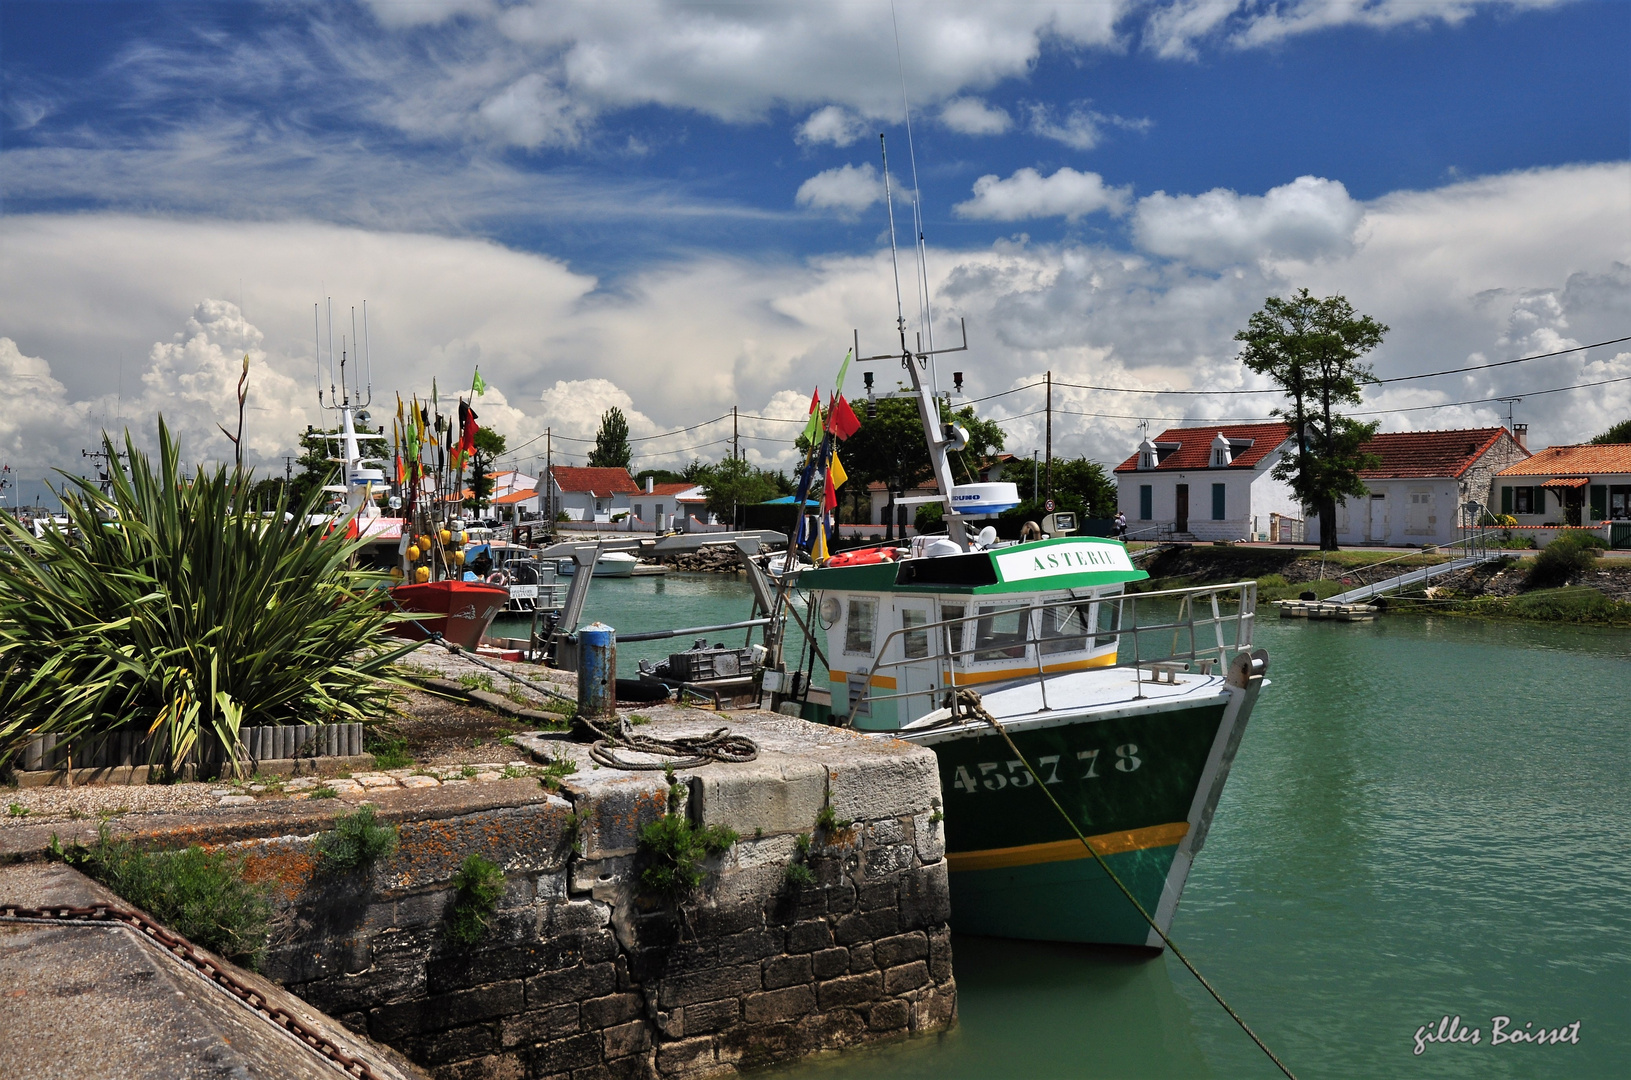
x: 1074, y: 559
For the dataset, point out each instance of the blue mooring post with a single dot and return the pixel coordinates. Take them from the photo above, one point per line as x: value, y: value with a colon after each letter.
x: 597, y: 671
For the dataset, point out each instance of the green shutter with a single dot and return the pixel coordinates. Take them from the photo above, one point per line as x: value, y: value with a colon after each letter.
x: 1539, y: 500
x: 1599, y: 502
x: 1506, y: 500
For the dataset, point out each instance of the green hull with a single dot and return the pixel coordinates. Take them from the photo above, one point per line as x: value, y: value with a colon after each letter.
x: 1142, y: 786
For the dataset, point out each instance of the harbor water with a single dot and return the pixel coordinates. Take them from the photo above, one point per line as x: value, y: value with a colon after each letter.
x: 1428, y: 819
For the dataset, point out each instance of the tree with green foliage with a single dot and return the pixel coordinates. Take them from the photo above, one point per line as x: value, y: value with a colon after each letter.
x: 489, y: 445
x: 660, y: 476
x: 611, y: 442
x: 890, y: 447
x: 1080, y: 486
x: 734, y: 482
x: 1310, y: 348
x: 1619, y: 433
x: 315, y: 467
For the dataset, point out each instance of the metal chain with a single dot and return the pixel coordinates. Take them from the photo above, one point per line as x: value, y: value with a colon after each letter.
x: 189, y: 954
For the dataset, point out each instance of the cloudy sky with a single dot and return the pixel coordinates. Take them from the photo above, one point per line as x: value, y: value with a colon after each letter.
x: 677, y: 208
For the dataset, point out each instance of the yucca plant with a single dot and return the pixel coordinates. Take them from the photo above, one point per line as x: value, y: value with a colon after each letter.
x: 173, y: 607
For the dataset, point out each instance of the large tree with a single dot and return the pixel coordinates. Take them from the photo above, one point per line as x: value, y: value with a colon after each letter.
x: 489, y: 445
x: 1619, y: 433
x: 1311, y: 348
x: 1080, y: 486
x: 611, y: 442
x: 890, y: 447
x: 734, y: 482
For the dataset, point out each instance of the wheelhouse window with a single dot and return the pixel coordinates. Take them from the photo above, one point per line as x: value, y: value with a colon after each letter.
x: 1000, y: 632
x: 914, y: 636
x: 1066, y: 628
x: 860, y: 622
x: 1109, y: 622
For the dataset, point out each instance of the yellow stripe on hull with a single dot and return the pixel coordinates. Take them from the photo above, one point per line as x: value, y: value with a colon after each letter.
x: 1065, y: 850
x: 970, y: 678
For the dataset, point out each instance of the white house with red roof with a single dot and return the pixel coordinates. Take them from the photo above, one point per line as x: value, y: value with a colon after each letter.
x: 666, y: 507
x: 1569, y: 485
x: 1208, y: 483
x: 592, y: 494
x: 1420, y: 490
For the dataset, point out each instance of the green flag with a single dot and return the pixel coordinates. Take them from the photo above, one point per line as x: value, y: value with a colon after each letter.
x: 478, y: 385
x: 842, y: 371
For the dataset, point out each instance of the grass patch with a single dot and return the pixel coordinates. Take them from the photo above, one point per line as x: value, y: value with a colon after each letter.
x: 357, y: 841
x: 674, y: 851
x: 1272, y: 587
x: 390, y: 750
x: 324, y: 792
x: 798, y: 876
x: 479, y: 681
x: 17, y: 809
x: 480, y: 885
x: 199, y: 894
x: 1580, y: 605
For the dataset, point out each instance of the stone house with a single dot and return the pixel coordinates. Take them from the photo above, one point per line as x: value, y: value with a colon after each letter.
x: 1419, y: 491
x: 1208, y: 483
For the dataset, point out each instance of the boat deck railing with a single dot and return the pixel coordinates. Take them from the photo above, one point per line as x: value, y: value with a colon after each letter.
x: 1207, y: 626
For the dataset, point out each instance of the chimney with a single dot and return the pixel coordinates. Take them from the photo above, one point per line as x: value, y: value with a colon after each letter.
x: 651, y: 484
x: 1520, y: 435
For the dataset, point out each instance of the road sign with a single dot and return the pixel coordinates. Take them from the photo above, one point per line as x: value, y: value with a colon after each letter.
x: 1048, y: 506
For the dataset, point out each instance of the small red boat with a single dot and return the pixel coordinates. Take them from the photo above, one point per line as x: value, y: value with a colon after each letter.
x: 461, y: 611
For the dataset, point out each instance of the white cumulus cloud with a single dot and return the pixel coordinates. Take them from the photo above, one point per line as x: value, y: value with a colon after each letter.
x: 1028, y: 194
x: 972, y: 116
x: 848, y: 190
x: 830, y: 124
x: 1305, y: 219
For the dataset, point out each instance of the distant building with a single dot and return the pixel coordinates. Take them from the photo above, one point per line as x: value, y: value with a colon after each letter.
x: 591, y: 494
x: 1567, y: 485
x: 666, y: 507
x: 1425, y: 479
x: 1209, y: 483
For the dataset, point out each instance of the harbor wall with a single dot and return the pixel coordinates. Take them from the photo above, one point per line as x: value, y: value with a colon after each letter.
x: 582, y: 974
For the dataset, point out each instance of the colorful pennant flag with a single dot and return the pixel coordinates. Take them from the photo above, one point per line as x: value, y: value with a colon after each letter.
x: 812, y: 429
x: 841, y: 419
x: 478, y: 385
x: 843, y: 370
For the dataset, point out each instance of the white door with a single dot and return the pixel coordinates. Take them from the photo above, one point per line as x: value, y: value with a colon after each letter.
x: 1378, y: 519
x: 919, y: 673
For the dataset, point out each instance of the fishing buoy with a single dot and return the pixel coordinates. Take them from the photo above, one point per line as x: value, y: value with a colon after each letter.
x: 396, y: 573
x: 422, y: 574
x: 458, y: 558
x: 447, y: 537
x: 424, y: 543
x: 412, y: 553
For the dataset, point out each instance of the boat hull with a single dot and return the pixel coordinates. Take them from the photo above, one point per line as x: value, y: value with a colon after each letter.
x: 1141, y: 783
x: 460, y: 611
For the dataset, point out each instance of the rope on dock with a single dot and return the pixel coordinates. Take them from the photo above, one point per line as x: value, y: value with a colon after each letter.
x: 686, y: 751
x: 971, y: 704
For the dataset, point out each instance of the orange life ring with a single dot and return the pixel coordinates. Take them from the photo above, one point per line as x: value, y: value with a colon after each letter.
x: 863, y: 557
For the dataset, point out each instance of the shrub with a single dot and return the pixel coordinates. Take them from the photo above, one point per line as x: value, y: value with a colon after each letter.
x: 199, y: 894
x: 172, y: 605
x: 1563, y: 558
x: 480, y: 885
x: 674, y: 850
x: 799, y: 876
x: 389, y: 749
x: 356, y: 841
x: 828, y: 820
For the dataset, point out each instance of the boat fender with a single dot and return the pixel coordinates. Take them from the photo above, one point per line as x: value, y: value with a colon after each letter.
x: 863, y: 557
x: 498, y: 577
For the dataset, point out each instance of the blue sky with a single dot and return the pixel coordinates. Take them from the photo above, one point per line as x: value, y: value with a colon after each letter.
x: 674, y: 207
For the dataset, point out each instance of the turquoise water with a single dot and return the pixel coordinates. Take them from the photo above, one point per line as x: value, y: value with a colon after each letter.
x: 1427, y: 818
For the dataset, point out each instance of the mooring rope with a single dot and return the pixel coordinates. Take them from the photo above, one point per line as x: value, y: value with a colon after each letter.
x: 688, y: 751
x: 972, y: 705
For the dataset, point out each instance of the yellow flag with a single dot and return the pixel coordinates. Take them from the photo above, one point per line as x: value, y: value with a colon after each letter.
x: 837, y: 473
x: 820, y: 552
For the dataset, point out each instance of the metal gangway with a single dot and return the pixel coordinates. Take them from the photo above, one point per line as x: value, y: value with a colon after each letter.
x: 1477, y: 551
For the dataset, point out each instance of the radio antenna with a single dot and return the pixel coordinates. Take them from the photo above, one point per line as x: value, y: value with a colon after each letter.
x: 894, y: 255
x: 333, y: 397
x: 317, y: 338
x: 368, y: 356
x: 925, y: 312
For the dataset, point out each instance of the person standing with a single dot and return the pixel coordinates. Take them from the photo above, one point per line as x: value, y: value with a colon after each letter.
x: 1121, y: 526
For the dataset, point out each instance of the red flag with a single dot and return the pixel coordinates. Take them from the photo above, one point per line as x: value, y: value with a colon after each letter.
x: 401, y: 470
x: 841, y: 420
x: 829, y: 492
x: 467, y: 430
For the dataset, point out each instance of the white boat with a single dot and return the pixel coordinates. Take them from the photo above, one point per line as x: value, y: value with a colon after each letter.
x: 610, y: 564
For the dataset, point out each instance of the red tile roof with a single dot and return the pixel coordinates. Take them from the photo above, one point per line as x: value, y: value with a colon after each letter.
x: 671, y: 489
x: 599, y: 481
x: 515, y: 496
x: 1407, y: 454
x: 1577, y: 460
x: 1195, y: 445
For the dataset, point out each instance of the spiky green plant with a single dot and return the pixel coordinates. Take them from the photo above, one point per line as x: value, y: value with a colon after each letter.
x: 173, y: 607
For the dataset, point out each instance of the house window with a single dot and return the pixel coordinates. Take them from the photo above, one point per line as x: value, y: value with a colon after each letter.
x: 1619, y: 502
x: 859, y: 624
x: 1523, y: 501
x: 639, y: 510
x: 1146, y: 502
x: 1217, y: 502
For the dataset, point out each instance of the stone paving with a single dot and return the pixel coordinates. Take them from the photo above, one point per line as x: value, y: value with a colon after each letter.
x: 360, y: 785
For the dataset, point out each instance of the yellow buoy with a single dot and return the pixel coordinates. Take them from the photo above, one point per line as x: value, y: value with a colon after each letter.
x: 412, y: 553
x: 458, y: 558
x: 447, y: 537
x: 424, y: 543
x: 396, y: 572
x: 422, y: 574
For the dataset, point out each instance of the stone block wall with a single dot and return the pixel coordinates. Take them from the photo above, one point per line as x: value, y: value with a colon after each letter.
x: 582, y: 976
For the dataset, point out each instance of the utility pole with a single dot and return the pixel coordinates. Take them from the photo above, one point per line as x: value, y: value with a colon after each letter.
x: 1049, y: 472
x: 736, y: 439
x: 549, y: 480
